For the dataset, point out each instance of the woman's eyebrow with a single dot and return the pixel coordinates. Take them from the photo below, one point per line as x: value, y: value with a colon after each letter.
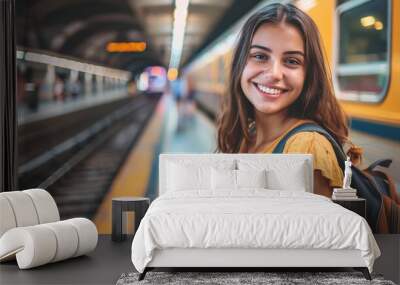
x: 261, y: 47
x: 294, y: 52
x: 270, y: 50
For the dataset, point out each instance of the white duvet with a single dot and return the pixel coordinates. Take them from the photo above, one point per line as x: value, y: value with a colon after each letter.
x: 253, y: 218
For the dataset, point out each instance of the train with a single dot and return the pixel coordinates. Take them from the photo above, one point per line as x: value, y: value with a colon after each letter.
x: 362, y: 44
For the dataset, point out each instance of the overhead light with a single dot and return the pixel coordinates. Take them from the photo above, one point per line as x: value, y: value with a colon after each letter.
x: 126, y: 47
x: 367, y: 21
x: 178, y: 33
x: 306, y: 5
x: 378, y: 25
x: 143, y: 83
x: 157, y: 71
x: 172, y: 74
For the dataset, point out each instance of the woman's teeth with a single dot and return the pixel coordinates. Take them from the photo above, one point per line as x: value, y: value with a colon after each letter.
x: 268, y: 90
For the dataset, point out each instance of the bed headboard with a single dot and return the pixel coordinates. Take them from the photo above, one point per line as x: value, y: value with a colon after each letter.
x: 279, y: 162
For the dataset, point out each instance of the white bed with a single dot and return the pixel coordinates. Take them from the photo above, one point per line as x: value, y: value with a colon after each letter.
x: 202, y: 220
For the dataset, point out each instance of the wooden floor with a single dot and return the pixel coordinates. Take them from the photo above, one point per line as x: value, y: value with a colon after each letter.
x: 110, y: 259
x: 102, y: 266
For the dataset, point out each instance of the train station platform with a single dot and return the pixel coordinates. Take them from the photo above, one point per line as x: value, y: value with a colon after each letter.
x: 170, y: 130
x: 187, y: 130
x: 47, y: 109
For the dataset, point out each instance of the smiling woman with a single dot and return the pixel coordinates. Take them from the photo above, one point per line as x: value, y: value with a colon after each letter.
x: 274, y: 74
x: 279, y: 81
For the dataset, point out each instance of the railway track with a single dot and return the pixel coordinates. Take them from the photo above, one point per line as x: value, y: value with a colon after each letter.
x: 35, y: 138
x: 79, y: 183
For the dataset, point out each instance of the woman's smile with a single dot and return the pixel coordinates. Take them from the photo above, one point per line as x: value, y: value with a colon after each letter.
x: 269, y: 91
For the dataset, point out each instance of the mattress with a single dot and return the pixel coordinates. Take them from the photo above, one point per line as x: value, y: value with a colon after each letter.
x: 250, y: 219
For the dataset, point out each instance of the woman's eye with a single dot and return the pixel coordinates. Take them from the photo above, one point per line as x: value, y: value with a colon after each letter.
x: 293, y: 61
x: 259, y: 57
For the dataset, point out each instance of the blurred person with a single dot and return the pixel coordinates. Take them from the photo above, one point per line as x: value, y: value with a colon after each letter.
x: 58, y: 89
x: 178, y: 91
x: 21, y: 93
x: 189, y: 101
x: 75, y: 89
x: 31, y: 90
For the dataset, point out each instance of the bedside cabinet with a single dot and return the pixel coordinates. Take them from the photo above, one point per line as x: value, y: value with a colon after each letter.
x: 357, y: 205
x: 139, y: 205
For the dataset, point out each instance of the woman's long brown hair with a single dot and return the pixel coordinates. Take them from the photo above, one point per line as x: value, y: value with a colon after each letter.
x: 316, y: 102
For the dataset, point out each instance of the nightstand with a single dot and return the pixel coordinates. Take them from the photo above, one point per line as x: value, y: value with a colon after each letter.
x: 357, y: 205
x: 139, y: 205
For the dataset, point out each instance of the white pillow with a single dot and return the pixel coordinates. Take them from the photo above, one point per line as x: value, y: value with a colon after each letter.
x: 293, y: 179
x: 193, y: 173
x: 181, y: 177
x: 227, y: 179
x: 284, y: 172
x: 223, y: 179
x: 251, y: 178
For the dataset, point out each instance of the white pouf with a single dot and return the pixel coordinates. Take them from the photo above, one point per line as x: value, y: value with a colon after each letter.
x: 31, y: 232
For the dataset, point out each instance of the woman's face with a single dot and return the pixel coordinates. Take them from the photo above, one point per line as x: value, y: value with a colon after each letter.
x: 274, y: 73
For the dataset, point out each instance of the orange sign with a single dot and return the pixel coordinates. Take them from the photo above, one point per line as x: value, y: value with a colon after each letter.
x: 126, y: 47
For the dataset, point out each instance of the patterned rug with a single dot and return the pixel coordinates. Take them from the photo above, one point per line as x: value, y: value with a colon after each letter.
x: 231, y: 278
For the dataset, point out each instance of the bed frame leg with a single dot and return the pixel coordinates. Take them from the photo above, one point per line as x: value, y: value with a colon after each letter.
x: 364, y: 271
x: 143, y: 274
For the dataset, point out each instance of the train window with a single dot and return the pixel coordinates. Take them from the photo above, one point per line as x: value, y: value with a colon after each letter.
x: 362, y: 59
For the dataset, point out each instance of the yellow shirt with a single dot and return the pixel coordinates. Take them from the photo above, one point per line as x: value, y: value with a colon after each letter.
x: 324, y: 158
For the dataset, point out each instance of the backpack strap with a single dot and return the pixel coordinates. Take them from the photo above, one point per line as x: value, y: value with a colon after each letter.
x: 312, y: 127
x: 381, y: 162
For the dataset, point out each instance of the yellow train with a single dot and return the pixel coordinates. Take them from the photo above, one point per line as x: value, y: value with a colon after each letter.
x: 362, y: 43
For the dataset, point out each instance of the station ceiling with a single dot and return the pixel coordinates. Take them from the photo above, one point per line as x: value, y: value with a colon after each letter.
x: 82, y: 28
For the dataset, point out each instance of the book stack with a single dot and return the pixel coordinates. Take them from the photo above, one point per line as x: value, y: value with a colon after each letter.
x: 344, y: 194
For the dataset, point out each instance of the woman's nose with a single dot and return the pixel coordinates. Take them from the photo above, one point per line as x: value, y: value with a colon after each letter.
x: 275, y: 71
